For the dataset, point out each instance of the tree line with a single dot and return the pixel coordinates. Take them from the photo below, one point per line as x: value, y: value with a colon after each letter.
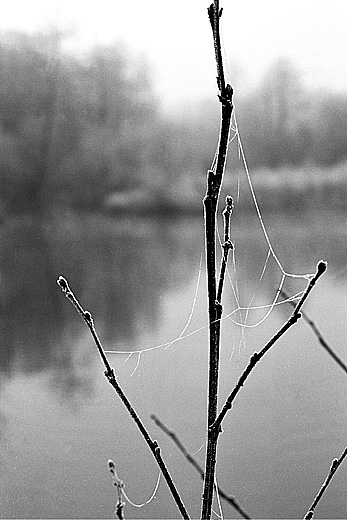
x: 73, y: 129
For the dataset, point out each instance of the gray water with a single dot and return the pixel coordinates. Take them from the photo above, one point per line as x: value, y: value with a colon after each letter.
x: 60, y: 419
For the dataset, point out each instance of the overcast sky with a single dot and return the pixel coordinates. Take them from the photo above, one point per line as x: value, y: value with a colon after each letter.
x: 177, y: 39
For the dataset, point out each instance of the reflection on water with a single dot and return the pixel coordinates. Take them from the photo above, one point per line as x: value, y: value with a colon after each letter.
x: 138, y: 278
x: 121, y: 269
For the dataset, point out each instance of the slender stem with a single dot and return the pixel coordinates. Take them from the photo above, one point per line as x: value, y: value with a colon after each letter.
x: 110, y: 375
x: 321, y: 268
x: 214, y: 182
x: 227, y: 245
x: 214, y: 15
x: 320, y: 338
x: 228, y: 498
x: 333, y: 468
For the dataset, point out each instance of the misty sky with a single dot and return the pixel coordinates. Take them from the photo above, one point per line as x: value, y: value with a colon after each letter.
x: 176, y: 37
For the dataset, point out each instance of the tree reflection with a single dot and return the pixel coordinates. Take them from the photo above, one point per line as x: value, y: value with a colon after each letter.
x: 120, y: 268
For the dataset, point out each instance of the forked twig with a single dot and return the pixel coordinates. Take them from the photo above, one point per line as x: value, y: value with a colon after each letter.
x: 228, y: 498
x: 333, y: 468
x: 111, y: 377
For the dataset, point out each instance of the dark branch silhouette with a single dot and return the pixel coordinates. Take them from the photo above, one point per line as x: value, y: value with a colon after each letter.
x: 333, y: 468
x: 319, y: 335
x: 228, y: 498
x: 111, y: 377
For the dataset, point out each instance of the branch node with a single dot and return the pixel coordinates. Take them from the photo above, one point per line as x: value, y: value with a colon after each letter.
x: 219, y: 309
x: 109, y: 373
x: 228, y: 245
x: 210, y: 12
x: 226, y: 95
x: 89, y: 318
x: 254, y: 358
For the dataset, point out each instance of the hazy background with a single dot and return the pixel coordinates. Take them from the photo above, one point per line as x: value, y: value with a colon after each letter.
x: 174, y: 38
x: 97, y: 100
x: 109, y: 119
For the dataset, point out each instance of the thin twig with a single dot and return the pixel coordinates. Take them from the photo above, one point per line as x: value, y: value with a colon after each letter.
x: 118, y: 483
x: 111, y: 377
x: 333, y: 468
x: 321, y: 268
x: 228, y: 498
x: 227, y: 244
x: 214, y: 14
x: 319, y: 336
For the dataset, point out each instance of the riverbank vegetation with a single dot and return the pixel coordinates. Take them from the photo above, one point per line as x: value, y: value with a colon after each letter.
x: 86, y: 132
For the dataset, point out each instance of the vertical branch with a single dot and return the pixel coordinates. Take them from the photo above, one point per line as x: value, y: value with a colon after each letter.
x: 214, y: 182
x: 227, y: 244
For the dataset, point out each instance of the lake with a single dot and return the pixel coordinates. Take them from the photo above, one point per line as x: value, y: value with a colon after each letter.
x: 60, y: 420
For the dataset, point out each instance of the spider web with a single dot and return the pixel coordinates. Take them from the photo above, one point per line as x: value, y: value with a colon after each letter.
x: 240, y: 314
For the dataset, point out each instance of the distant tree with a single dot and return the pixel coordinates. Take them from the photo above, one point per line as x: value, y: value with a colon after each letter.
x: 274, y: 119
x: 73, y: 129
x: 38, y: 116
x: 330, y: 125
x: 120, y: 113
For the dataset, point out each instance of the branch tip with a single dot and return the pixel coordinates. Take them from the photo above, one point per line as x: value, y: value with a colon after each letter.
x: 321, y: 267
x: 88, y: 317
x: 62, y: 282
x: 210, y: 11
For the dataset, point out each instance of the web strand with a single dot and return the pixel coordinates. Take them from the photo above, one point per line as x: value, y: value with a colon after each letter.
x: 139, y: 506
x: 241, y: 321
x: 256, y: 205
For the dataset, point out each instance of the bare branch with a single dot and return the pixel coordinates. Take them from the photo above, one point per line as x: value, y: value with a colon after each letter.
x: 228, y: 498
x: 214, y: 182
x: 333, y: 468
x: 321, y: 268
x: 320, y: 337
x: 214, y: 14
x: 111, y: 377
x: 118, y: 483
x: 227, y: 244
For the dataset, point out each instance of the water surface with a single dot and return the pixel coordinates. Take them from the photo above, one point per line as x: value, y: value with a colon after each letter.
x: 60, y: 419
